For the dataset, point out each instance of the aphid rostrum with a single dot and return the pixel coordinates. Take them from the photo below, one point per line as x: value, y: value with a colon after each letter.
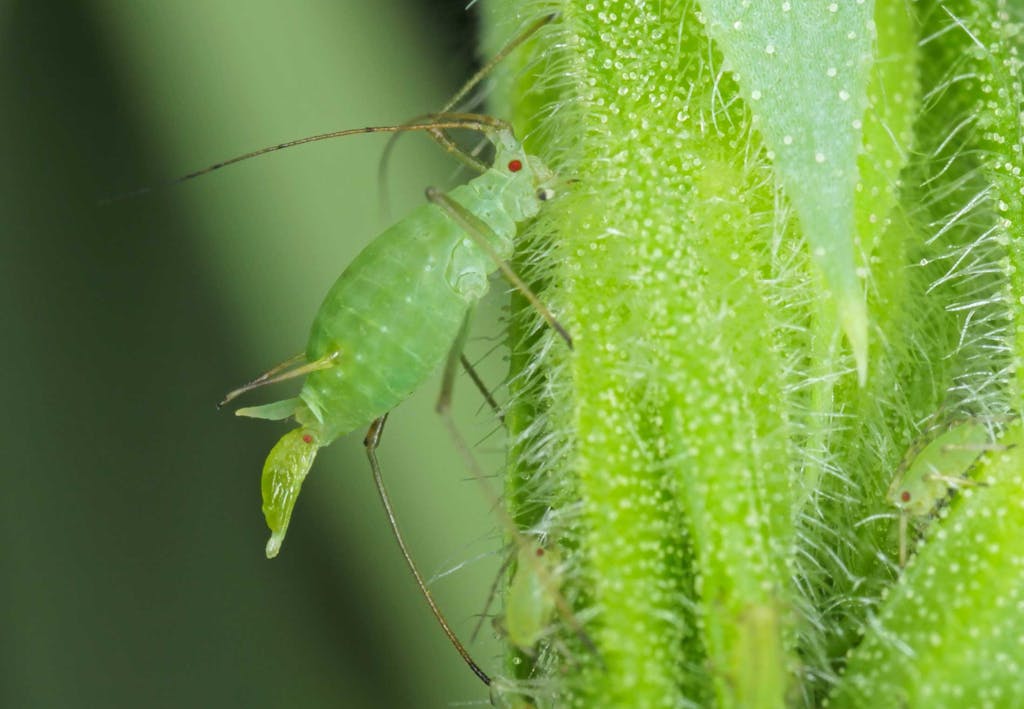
x: 930, y: 471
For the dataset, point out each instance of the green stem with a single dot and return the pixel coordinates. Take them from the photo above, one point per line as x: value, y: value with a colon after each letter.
x: 750, y: 197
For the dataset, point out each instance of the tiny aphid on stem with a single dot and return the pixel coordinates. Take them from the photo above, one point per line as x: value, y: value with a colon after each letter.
x: 531, y: 600
x: 401, y: 309
x: 934, y: 467
x: 532, y: 597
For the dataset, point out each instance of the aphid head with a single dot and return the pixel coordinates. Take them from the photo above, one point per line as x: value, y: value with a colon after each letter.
x: 526, y: 182
x: 900, y: 495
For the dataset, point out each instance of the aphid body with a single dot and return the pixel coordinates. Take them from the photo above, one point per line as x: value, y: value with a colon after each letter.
x: 396, y: 312
x: 927, y: 473
x: 532, y: 596
x: 926, y: 477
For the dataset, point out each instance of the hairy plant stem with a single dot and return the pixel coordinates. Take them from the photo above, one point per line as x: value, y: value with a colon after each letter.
x: 780, y: 261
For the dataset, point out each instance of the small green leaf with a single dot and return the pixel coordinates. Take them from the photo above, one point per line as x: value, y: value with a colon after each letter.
x: 803, y: 68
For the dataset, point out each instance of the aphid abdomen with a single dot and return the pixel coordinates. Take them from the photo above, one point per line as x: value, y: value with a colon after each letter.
x: 394, y: 314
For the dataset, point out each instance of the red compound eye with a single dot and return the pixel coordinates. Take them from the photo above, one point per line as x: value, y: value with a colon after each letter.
x: 307, y: 438
x: 539, y: 552
x: 905, y: 496
x: 515, y: 165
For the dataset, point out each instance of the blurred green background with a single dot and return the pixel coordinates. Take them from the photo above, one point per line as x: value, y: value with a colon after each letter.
x: 132, y: 569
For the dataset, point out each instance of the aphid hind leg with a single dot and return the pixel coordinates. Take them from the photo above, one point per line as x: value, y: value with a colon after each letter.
x: 492, y: 593
x: 454, y: 359
x: 478, y: 231
x: 371, y: 442
x: 444, y: 398
x: 289, y: 369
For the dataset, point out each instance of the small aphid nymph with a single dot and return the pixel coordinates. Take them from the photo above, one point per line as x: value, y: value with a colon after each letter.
x: 929, y: 472
x: 531, y: 600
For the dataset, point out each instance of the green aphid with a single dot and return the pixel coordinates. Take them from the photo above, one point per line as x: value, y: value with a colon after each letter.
x: 395, y: 314
x: 532, y: 598
x: 928, y: 473
x: 401, y: 308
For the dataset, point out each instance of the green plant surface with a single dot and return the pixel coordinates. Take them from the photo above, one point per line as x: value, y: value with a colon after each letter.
x: 787, y: 247
x: 949, y: 633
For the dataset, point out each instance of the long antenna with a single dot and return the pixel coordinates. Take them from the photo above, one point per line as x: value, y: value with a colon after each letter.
x: 435, y: 123
x: 480, y: 75
x: 487, y: 68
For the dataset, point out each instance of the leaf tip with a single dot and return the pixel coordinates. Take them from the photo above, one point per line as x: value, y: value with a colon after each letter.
x: 853, y: 318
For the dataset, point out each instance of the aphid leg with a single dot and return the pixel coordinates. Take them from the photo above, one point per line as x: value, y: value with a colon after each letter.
x: 904, y: 517
x: 442, y: 406
x: 440, y: 137
x: 482, y: 388
x: 444, y: 398
x: 954, y: 481
x: 371, y: 441
x: 543, y: 574
x: 289, y: 369
x: 477, y: 230
x: 456, y: 357
x: 491, y: 594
